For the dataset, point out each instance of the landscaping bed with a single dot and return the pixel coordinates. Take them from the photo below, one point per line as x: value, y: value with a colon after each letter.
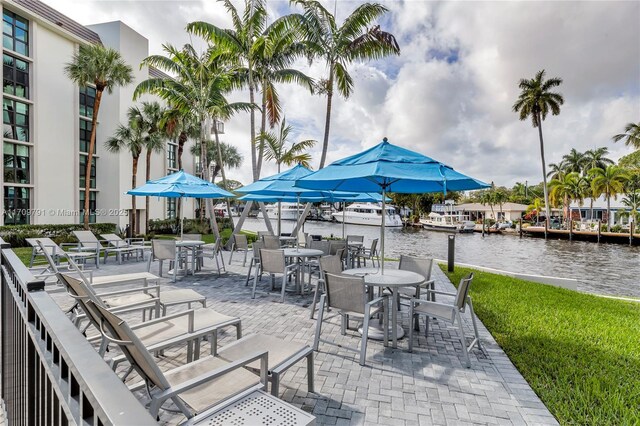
x: 580, y: 353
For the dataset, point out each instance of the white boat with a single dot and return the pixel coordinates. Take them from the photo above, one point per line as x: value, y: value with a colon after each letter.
x: 448, y: 222
x: 289, y: 211
x: 368, y: 214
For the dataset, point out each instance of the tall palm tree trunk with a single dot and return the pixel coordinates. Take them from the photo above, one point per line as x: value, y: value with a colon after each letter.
x: 544, y: 171
x: 327, y: 122
x: 263, y: 129
x: 608, y: 212
x: 205, y: 176
x: 182, y: 140
x: 252, y: 115
x: 220, y: 163
x: 134, y: 174
x: 92, y: 147
x: 591, y: 208
x: 146, y: 200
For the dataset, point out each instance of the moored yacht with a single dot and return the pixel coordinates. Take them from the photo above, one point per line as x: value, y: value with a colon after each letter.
x: 368, y: 214
x: 289, y: 211
x: 448, y: 222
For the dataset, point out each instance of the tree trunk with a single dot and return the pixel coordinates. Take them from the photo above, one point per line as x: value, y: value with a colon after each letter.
x: 146, y: 201
x: 327, y: 123
x: 263, y: 129
x: 608, y: 213
x: 221, y: 165
x: 254, y: 162
x: 544, y: 172
x: 205, y: 175
x: 134, y: 174
x: 591, y: 208
x: 566, y: 209
x: 92, y: 147
x: 182, y: 139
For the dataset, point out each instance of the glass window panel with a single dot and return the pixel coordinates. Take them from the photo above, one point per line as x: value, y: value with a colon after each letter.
x: 20, y: 34
x: 7, y: 28
x: 16, y: 126
x: 7, y: 42
x: 16, y: 203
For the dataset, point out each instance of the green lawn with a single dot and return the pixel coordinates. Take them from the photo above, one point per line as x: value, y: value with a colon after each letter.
x: 580, y: 353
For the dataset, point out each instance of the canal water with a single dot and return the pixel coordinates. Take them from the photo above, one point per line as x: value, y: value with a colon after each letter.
x: 611, y: 269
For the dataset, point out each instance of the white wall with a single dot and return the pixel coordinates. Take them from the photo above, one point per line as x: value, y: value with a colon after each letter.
x: 55, y: 155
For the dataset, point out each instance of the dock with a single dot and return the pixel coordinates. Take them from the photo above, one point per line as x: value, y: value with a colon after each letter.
x: 630, y: 237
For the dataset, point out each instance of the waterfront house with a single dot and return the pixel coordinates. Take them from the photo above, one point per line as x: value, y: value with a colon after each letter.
x: 510, y: 212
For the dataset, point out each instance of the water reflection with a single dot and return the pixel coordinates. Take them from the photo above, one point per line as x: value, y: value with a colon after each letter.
x: 600, y: 268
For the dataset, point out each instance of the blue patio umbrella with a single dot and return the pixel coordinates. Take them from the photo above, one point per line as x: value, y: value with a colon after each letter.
x: 389, y: 168
x: 180, y: 185
x: 282, y: 186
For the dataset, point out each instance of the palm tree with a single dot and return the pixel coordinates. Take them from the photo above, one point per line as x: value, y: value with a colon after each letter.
x: 104, y: 68
x: 277, y: 149
x: 570, y: 187
x: 356, y: 39
x: 131, y: 138
x: 180, y: 126
x: 631, y: 135
x: 536, y: 100
x: 239, y: 43
x: 595, y: 158
x: 609, y: 182
x: 556, y: 170
x: 537, y: 205
x: 151, y: 119
x: 231, y: 157
x: 197, y: 91
x: 574, y: 161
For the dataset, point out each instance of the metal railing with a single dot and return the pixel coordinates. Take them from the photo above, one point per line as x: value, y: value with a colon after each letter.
x: 50, y: 374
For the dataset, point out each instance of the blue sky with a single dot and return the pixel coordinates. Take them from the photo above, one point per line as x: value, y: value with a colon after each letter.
x: 450, y: 92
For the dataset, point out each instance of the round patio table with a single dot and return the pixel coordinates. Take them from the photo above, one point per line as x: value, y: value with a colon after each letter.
x: 299, y: 254
x: 193, y: 246
x: 392, y: 279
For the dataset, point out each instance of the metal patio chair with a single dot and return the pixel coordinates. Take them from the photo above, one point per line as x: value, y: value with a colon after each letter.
x: 240, y: 243
x: 255, y: 260
x: 448, y: 312
x: 349, y: 296
x: 331, y: 264
x: 273, y: 262
x: 422, y: 266
x: 271, y: 242
x: 121, y: 247
x: 162, y: 250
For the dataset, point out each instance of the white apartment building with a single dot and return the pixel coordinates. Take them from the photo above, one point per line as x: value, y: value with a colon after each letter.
x: 47, y: 123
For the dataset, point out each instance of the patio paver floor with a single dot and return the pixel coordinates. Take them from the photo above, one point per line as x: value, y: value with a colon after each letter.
x: 430, y: 386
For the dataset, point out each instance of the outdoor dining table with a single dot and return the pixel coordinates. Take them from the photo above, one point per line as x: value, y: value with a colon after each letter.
x: 302, y: 253
x: 193, y: 246
x: 392, y: 279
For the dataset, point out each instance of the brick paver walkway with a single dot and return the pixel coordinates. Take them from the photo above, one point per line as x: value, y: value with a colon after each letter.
x: 427, y: 387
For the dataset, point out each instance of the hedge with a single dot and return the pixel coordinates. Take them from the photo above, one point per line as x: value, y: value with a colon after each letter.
x: 16, y: 234
x: 171, y: 226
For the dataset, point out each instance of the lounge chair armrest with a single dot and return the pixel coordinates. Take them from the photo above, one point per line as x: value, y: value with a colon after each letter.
x: 427, y: 283
x: 132, y: 290
x: 190, y: 313
x: 63, y: 245
x: 203, y: 378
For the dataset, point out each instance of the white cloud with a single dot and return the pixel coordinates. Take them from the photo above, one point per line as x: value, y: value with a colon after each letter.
x: 456, y: 110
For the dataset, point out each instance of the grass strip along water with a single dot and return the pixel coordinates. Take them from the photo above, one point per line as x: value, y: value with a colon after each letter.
x: 580, y: 353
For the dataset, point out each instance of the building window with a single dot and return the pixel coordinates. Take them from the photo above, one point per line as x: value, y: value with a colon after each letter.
x: 172, y: 156
x: 85, y: 136
x: 16, y: 206
x: 16, y: 163
x: 15, y: 33
x: 171, y: 208
x: 87, y: 98
x: 15, y: 76
x: 83, y: 169
x: 92, y: 207
x: 15, y: 119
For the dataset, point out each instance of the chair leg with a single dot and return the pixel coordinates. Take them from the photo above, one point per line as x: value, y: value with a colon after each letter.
x: 255, y: 283
x: 284, y: 286
x: 248, y: 272
x: 316, y: 340
x: 244, y: 262
x: 310, y: 373
x: 365, y: 335
x: 315, y: 299
x: 231, y: 254
x: 465, y: 353
x: 475, y: 325
x: 149, y: 263
x: 411, y: 328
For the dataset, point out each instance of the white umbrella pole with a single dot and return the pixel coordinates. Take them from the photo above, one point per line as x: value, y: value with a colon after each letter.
x: 344, y: 208
x: 181, y: 217
x: 384, y: 213
x: 297, y: 221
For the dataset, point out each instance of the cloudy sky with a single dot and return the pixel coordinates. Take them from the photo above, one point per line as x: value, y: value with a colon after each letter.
x: 450, y: 92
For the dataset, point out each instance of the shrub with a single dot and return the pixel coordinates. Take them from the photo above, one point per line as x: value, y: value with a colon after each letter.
x: 16, y: 235
x: 171, y: 226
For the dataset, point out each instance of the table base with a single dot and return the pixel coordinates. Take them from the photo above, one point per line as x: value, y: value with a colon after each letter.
x: 376, y: 332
